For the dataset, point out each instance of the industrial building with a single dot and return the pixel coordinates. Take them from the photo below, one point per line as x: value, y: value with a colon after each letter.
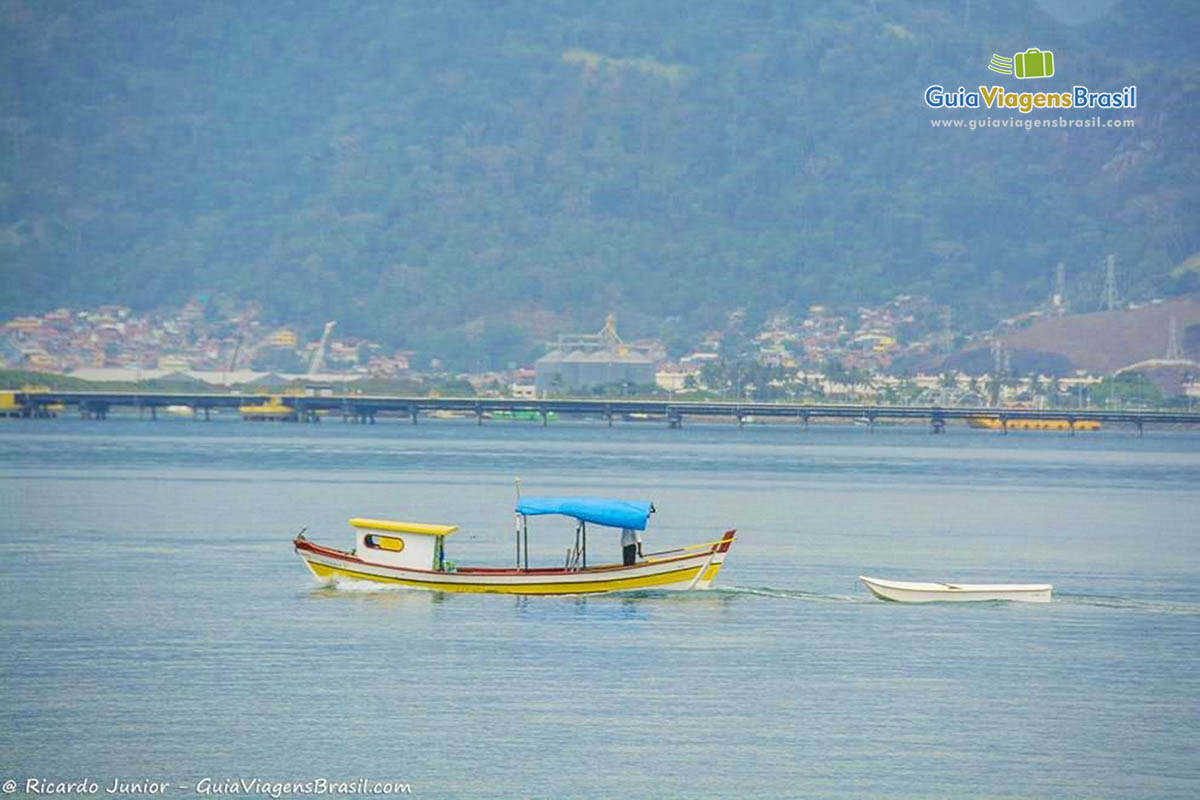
x: 583, y: 361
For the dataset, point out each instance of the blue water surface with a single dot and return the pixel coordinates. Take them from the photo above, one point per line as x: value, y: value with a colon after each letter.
x: 154, y: 621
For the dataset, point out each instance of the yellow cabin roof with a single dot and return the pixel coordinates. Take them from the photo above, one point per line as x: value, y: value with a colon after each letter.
x: 404, y: 527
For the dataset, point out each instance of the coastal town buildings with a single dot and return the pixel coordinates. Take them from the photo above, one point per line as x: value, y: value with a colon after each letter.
x: 893, y: 352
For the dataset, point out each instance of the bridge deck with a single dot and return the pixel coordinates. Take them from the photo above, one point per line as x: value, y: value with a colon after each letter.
x: 358, y: 405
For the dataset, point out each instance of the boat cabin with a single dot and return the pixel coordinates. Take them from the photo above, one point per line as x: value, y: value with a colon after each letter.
x: 414, y: 545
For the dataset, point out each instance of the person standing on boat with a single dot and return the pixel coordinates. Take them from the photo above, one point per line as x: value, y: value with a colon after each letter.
x: 631, y: 546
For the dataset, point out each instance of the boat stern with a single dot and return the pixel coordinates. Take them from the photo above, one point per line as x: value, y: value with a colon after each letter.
x: 709, y: 572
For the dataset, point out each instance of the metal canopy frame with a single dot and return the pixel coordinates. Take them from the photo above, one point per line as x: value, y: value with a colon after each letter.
x: 522, y: 531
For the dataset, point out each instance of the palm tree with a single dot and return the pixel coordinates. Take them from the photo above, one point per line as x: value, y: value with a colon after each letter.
x: 1035, y: 386
x: 995, y: 383
x: 1054, y: 388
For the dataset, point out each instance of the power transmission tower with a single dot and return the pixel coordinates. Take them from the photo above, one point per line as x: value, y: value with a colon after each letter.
x: 1059, y: 300
x: 1174, y: 351
x: 1109, y: 298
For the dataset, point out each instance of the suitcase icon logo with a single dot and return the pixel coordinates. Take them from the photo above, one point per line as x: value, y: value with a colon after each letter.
x: 1033, y: 63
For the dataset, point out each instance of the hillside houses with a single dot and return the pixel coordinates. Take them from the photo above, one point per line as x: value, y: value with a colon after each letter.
x: 887, y: 353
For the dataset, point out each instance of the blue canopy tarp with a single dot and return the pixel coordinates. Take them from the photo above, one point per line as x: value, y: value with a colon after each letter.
x: 601, y: 511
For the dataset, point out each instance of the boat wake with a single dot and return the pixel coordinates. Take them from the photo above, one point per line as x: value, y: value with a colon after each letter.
x: 792, y: 594
x: 326, y: 587
x: 1059, y: 598
x: 344, y: 586
x: 1127, y: 603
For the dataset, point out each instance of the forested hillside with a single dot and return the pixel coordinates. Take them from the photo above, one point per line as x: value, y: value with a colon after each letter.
x: 429, y: 174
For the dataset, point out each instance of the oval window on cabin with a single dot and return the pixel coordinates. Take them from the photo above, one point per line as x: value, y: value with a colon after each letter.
x: 393, y: 543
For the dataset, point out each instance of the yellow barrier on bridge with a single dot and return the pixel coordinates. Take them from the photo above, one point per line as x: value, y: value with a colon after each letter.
x: 995, y: 423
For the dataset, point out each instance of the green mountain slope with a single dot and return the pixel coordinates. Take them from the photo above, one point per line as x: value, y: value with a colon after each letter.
x: 408, y: 170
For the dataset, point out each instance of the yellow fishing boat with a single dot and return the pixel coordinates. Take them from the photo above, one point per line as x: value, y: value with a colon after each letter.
x: 412, y: 554
x: 9, y: 407
x: 269, y: 410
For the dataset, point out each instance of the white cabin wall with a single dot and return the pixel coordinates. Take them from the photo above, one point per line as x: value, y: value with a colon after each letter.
x: 417, y: 552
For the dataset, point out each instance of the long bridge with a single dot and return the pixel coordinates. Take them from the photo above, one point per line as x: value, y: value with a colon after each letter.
x: 362, y: 408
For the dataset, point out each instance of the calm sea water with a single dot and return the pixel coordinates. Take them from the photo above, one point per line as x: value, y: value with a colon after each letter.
x: 154, y: 622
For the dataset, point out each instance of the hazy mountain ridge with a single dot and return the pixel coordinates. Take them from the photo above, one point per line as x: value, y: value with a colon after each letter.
x: 407, y: 171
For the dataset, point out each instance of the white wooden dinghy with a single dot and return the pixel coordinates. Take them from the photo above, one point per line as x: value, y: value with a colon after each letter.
x: 912, y: 592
